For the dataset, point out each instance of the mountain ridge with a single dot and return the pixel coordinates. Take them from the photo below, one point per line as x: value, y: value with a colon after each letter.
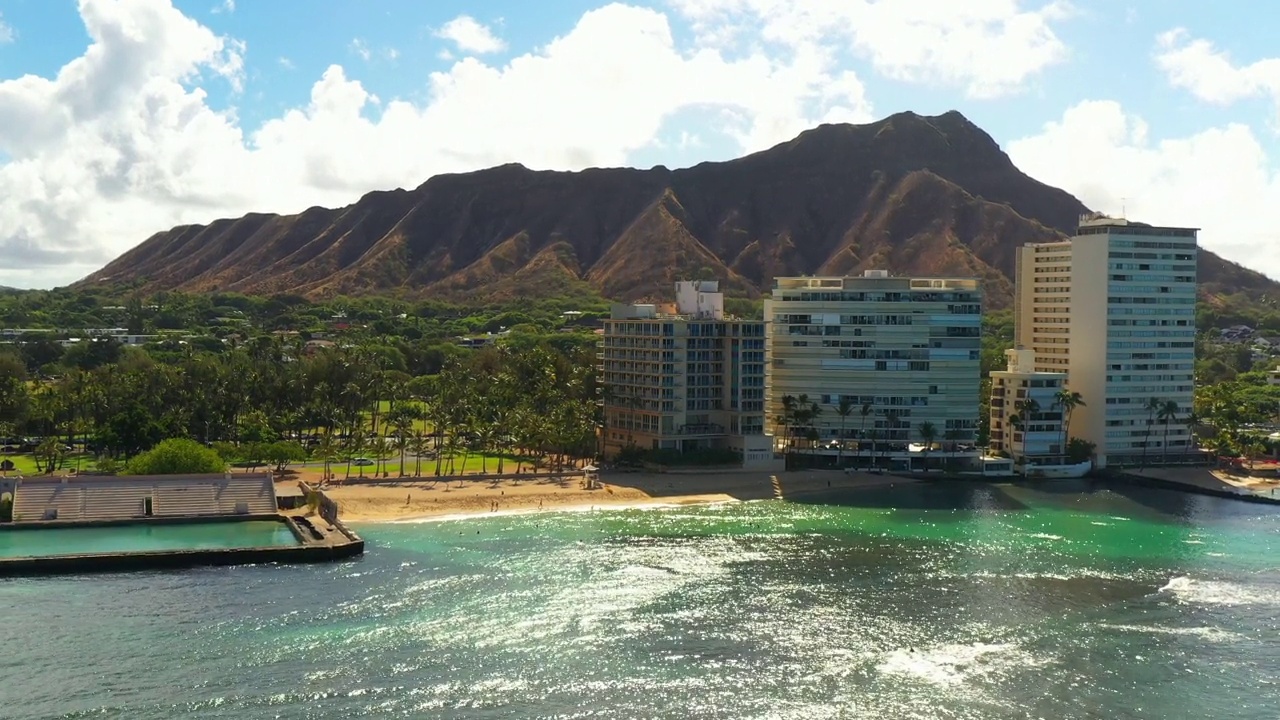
x: 910, y: 193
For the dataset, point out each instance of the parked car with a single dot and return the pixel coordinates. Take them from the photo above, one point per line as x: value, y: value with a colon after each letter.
x: 361, y: 462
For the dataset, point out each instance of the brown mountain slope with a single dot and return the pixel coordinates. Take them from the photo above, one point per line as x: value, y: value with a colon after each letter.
x: 916, y: 195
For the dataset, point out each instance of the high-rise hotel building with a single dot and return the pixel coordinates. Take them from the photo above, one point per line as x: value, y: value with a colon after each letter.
x: 684, y: 377
x: 1114, y: 308
x: 907, y: 348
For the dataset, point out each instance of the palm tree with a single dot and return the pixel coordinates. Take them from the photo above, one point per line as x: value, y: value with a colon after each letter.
x: 928, y: 433
x: 844, y: 409
x: 1067, y: 401
x: 1191, y: 420
x: 1015, y: 422
x: 1253, y: 448
x: 420, y: 445
x: 401, y: 441
x: 810, y: 418
x: 787, y: 419
x: 1168, y: 412
x: 865, y: 411
x: 1152, y: 407
x: 891, y: 426
x: 952, y: 436
x: 355, y: 445
x: 327, y: 450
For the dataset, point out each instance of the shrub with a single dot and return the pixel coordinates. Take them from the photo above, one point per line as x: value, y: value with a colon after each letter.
x: 177, y: 456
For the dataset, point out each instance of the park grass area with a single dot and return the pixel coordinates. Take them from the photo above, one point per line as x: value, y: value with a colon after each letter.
x: 384, y: 406
x: 26, y: 464
x: 472, y: 464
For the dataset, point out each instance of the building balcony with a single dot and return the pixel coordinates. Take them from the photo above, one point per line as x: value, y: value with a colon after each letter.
x: 701, y: 429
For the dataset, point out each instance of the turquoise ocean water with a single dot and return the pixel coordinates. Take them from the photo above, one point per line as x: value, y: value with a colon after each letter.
x: 1065, y: 600
x: 145, y: 538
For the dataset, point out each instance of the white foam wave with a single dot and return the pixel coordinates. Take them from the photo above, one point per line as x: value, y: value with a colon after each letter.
x: 1213, y: 592
x: 1075, y: 574
x: 607, y: 507
x: 1210, y: 634
x: 954, y: 664
x: 1047, y: 536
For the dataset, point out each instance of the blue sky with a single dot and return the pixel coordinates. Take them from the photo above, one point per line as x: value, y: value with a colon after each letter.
x: 121, y: 118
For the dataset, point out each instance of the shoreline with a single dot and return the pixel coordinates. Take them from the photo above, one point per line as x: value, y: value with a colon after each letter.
x: 417, y: 500
x: 691, y: 501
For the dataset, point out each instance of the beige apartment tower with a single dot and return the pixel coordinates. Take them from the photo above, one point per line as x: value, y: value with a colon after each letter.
x: 905, y: 349
x: 683, y: 378
x: 1114, y: 308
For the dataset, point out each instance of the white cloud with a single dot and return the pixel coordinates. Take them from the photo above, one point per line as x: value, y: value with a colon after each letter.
x: 227, y: 6
x: 7, y: 33
x: 286, y: 63
x: 1208, y: 73
x: 359, y: 47
x: 988, y: 47
x: 121, y: 143
x: 1219, y: 179
x: 471, y: 36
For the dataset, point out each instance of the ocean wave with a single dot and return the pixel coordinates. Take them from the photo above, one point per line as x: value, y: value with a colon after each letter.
x: 1214, y: 592
x: 1210, y: 634
x: 954, y: 664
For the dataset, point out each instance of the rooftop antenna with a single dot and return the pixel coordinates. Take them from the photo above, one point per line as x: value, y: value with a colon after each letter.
x: 1123, y: 202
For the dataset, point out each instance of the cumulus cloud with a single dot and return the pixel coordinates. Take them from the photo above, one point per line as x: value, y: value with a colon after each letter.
x: 471, y: 36
x: 1219, y: 179
x: 1210, y: 75
x: 122, y: 142
x: 987, y: 47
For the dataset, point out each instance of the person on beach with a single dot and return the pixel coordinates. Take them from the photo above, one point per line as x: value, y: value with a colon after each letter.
x: 406, y: 498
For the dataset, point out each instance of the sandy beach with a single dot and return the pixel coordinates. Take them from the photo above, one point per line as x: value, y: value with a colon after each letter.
x: 423, y: 498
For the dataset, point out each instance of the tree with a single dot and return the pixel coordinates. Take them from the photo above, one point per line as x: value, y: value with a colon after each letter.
x: 355, y: 445
x: 284, y: 452
x: 1079, y: 450
x: 952, y: 436
x: 327, y: 451
x: 177, y: 456
x: 865, y: 412
x: 48, y: 455
x: 1253, y: 448
x: 1167, y: 413
x: 1015, y: 422
x: 1152, y: 407
x: 787, y: 419
x: 255, y: 454
x: 844, y: 409
x: 928, y: 433
x: 1067, y: 401
x: 421, y: 445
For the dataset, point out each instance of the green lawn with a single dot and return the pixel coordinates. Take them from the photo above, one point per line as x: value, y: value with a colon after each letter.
x: 474, y: 464
x: 26, y: 464
x: 383, y: 428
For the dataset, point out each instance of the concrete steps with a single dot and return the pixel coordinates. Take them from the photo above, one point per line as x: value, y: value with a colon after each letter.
x: 124, y: 498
